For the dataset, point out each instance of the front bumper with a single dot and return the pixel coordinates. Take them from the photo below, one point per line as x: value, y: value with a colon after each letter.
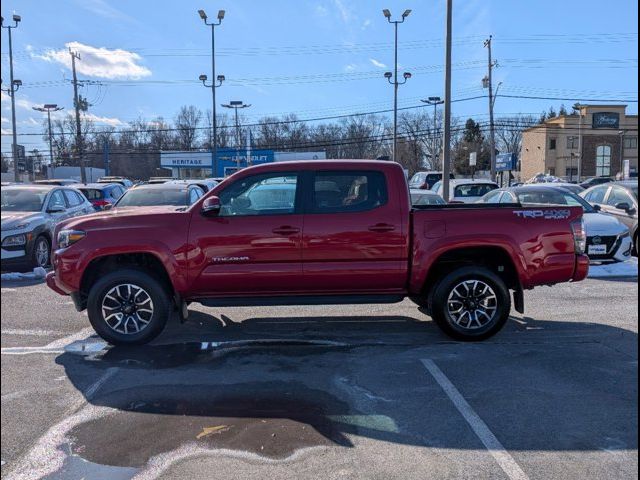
x: 17, y: 258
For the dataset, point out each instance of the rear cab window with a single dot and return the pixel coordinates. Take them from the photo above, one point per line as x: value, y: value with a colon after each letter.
x: 348, y: 191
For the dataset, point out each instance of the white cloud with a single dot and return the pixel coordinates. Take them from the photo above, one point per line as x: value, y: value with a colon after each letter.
x: 6, y: 131
x: 99, y: 62
x: 377, y: 63
x: 102, y: 8
x: 321, y: 11
x: 366, y: 24
x: 5, y: 120
x: 111, y: 121
x: 352, y: 67
x: 343, y: 10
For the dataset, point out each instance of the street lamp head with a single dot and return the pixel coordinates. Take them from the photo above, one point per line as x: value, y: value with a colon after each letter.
x: 221, y: 78
x: 220, y: 14
x: 17, y: 83
x: 235, y: 102
x: 203, y: 15
x: 386, y: 13
x: 202, y: 78
x: 406, y: 75
x: 434, y: 99
x: 388, y: 75
x: 406, y: 13
x: 50, y: 105
x: 39, y: 109
x: 17, y: 18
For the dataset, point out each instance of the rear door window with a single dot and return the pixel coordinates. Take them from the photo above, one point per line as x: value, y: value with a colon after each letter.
x: 72, y: 199
x: 348, y: 191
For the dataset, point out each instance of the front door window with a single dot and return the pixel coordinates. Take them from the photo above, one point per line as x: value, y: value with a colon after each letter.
x: 603, y: 160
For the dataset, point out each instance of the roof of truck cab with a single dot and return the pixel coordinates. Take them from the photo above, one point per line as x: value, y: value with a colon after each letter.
x: 322, y: 165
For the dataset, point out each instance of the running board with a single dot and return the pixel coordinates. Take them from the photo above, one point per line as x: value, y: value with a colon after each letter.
x: 299, y: 300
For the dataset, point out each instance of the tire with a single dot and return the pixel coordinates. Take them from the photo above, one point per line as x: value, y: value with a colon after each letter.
x: 38, y: 258
x: 130, y: 323
x: 472, y: 326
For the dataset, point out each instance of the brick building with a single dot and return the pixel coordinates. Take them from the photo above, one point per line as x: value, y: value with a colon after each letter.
x: 607, y: 135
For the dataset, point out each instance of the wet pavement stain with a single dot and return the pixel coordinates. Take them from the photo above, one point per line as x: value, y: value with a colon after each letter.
x: 270, y: 419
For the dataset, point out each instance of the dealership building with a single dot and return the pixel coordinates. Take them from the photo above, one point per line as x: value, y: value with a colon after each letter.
x: 189, y: 164
x: 597, y: 140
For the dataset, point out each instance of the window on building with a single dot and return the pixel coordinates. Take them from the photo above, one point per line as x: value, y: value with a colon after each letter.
x: 552, y: 144
x: 571, y: 172
x: 552, y: 171
x: 631, y: 142
x: 603, y: 160
x: 572, y: 143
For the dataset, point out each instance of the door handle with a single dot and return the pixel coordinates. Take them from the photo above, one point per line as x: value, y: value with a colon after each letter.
x: 286, y: 230
x: 382, y: 227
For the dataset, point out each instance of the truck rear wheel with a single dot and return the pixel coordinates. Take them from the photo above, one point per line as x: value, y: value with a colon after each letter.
x: 470, y: 303
x: 128, y: 307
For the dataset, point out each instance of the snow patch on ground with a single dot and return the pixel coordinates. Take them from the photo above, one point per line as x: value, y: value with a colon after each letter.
x: 611, y: 270
x: 37, y: 274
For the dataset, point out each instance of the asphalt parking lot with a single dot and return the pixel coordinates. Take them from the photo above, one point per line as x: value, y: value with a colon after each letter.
x: 348, y: 392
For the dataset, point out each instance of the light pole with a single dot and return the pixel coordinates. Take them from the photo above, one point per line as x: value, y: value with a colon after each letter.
x: 49, y: 107
x: 578, y: 108
x: 435, y: 101
x: 389, y: 75
x: 236, y: 104
x: 13, y: 88
x: 213, y: 86
x: 446, y: 120
x: 621, y: 134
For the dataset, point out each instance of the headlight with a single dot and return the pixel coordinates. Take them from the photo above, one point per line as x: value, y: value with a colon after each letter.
x: 69, y: 237
x: 16, y: 240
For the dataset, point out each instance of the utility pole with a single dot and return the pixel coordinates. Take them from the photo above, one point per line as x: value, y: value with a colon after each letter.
x: 76, y: 104
x: 49, y: 107
x: 578, y: 108
x: 219, y: 79
x: 446, y: 153
x: 492, y: 133
x: 11, y: 91
x: 395, y: 82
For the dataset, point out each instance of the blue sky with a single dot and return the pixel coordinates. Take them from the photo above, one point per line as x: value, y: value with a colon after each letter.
x: 313, y: 57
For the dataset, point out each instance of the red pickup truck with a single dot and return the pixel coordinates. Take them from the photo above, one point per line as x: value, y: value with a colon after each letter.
x: 314, y: 232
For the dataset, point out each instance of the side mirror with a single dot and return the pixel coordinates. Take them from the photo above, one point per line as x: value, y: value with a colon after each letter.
x: 597, y: 207
x: 624, y: 206
x: 210, y: 207
x: 55, y: 209
x: 108, y: 206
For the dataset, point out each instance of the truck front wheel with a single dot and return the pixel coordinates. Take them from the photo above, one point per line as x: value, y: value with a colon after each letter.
x: 128, y: 307
x: 470, y: 303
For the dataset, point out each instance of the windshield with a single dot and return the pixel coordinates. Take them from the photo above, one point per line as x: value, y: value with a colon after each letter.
x: 422, y: 199
x: 92, y: 193
x: 552, y: 196
x: 22, y: 200
x: 151, y: 197
x: 473, y: 190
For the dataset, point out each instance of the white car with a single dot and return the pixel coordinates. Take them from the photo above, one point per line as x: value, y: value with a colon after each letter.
x: 466, y: 190
x: 608, y: 239
x: 425, y: 197
x: 29, y: 215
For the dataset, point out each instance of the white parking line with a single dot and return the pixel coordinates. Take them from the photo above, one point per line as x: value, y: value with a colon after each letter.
x: 486, y: 436
x: 35, y: 333
x: 55, y: 347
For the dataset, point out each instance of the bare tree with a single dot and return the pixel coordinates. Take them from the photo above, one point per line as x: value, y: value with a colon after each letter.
x: 509, y: 133
x: 187, y: 123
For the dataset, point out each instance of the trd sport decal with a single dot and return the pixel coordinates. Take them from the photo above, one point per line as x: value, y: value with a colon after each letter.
x: 546, y: 214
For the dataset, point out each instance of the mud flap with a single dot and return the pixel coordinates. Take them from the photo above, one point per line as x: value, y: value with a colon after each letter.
x: 518, y: 300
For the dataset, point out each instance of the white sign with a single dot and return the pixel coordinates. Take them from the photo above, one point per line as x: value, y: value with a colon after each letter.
x: 473, y: 159
x: 185, y: 159
x: 627, y: 169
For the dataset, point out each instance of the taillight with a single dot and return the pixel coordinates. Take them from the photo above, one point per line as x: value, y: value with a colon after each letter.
x: 99, y: 204
x: 579, y: 236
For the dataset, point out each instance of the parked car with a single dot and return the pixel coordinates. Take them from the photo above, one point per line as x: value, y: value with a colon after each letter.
x: 466, y: 190
x: 102, y: 194
x: 572, y: 187
x: 29, y: 215
x: 425, y: 197
x: 158, y: 180
x: 204, y: 183
x: 619, y: 199
x: 164, y: 194
x: 426, y: 180
x: 125, y: 182
x: 608, y: 239
x: 61, y: 182
x: 593, y: 181
x: 347, y: 235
